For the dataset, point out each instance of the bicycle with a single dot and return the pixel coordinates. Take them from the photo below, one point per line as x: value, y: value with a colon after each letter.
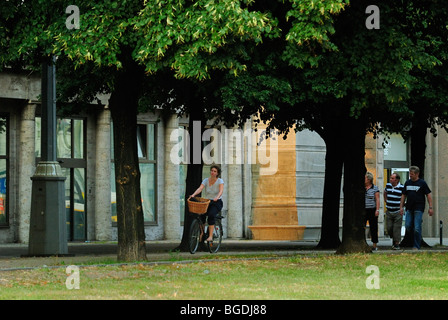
x: 198, y: 227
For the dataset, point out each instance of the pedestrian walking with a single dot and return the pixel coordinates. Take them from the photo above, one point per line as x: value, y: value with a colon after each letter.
x: 372, y: 207
x: 394, y: 217
x: 414, y: 193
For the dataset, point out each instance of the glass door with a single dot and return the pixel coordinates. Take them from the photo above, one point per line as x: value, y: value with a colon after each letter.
x: 71, y: 155
x: 75, y: 203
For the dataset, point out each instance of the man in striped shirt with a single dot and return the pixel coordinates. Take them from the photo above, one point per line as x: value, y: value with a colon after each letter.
x: 394, y: 219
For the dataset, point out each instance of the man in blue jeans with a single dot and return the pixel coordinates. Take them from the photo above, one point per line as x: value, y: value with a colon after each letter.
x: 415, y: 190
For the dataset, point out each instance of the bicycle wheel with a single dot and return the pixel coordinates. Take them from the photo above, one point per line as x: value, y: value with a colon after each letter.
x: 214, y: 245
x: 195, y: 234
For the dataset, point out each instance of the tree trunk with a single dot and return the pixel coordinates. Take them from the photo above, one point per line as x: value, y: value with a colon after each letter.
x: 124, y: 106
x: 353, y: 231
x: 194, y: 170
x: 329, y: 238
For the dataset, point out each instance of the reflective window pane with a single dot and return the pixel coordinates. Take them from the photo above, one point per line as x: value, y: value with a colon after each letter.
x: 78, y: 139
x: 79, y: 202
x: 113, y: 193
x: 3, y: 170
x: 148, y: 188
x: 68, y: 146
x: 147, y: 158
x: 151, y: 141
x: 3, y: 190
x: 3, y: 136
x: 142, y: 140
x: 183, y: 139
x: 38, y: 136
x: 112, y: 149
x: 64, y: 138
x: 75, y: 203
x: 182, y: 189
x: 66, y: 173
x: 148, y: 192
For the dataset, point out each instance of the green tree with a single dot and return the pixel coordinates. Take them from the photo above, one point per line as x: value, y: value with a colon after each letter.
x: 360, y: 78
x: 118, y: 46
x: 425, y: 22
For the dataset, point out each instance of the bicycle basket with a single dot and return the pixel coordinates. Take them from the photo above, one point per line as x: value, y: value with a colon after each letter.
x: 199, y: 206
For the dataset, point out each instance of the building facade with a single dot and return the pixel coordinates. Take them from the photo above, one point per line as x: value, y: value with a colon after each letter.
x: 85, y: 152
x: 271, y: 192
x: 382, y: 159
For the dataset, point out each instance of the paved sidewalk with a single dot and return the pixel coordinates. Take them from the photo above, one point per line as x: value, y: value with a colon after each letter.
x: 11, y: 255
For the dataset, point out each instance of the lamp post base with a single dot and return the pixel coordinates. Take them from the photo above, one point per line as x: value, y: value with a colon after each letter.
x: 48, y: 231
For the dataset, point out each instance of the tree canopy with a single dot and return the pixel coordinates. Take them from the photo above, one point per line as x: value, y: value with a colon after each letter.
x: 120, y: 44
x: 371, y: 80
x: 298, y: 63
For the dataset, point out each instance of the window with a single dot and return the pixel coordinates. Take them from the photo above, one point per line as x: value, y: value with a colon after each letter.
x: 69, y: 135
x: 396, y: 152
x: 146, y: 142
x: 183, y: 154
x: 4, y: 168
x: 147, y: 159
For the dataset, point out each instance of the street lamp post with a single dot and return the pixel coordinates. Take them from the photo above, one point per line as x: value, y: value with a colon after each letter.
x: 48, y: 231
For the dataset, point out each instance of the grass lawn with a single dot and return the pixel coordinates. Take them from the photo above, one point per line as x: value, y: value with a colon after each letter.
x: 422, y: 275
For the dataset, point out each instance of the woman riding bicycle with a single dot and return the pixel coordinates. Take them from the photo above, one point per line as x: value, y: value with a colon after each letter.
x: 214, y: 187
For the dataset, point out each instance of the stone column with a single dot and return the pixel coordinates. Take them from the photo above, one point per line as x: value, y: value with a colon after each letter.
x: 26, y: 169
x: 274, y: 191
x: 374, y: 160
x: 430, y: 227
x: 103, y: 222
x: 247, y: 180
x: 172, y: 206
x: 235, y: 183
x: 440, y: 184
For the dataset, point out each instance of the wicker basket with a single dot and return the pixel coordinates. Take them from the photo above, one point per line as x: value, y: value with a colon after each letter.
x: 198, y: 207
